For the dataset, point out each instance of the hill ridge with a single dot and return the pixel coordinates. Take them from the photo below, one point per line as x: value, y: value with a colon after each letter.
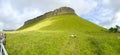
x: 56, y: 12
x: 62, y: 19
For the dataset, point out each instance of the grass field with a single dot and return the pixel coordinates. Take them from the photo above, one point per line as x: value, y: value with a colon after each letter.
x: 52, y: 36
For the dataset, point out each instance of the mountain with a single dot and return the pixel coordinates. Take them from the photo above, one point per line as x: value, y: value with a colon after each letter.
x: 56, y: 12
x: 62, y: 32
x: 63, y: 18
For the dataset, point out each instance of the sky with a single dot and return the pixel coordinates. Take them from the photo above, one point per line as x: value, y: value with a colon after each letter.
x: 13, y: 13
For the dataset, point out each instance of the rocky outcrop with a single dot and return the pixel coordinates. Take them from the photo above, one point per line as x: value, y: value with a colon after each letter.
x: 62, y: 10
x: 59, y: 11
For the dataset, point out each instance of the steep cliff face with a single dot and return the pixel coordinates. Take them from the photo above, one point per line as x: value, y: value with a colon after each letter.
x: 59, y: 11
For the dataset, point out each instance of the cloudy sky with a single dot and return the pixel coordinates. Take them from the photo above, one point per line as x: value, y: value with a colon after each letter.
x: 13, y: 13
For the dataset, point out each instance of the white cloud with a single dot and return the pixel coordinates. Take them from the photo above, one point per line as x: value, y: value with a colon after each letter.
x: 12, y: 18
x: 117, y: 18
x: 1, y: 26
x: 82, y: 6
x: 106, y: 13
x: 114, y: 6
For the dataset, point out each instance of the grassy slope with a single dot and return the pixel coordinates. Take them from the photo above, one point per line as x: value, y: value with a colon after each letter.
x: 65, y: 22
x: 51, y: 36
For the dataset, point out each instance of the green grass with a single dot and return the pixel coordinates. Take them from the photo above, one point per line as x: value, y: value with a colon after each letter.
x: 51, y: 36
x: 63, y: 22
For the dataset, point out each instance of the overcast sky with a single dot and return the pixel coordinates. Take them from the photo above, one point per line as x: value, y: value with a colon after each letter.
x: 13, y: 13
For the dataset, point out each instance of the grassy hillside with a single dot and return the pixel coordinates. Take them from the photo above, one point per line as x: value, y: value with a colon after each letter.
x: 64, y: 22
x: 52, y: 36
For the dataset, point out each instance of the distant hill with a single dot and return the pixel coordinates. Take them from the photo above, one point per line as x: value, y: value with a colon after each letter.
x: 63, y: 18
x: 56, y: 12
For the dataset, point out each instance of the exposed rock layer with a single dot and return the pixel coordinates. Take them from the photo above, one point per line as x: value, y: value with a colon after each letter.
x: 62, y: 10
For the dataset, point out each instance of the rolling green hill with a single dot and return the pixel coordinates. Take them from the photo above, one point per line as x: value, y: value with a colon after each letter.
x: 51, y: 35
x: 64, y: 22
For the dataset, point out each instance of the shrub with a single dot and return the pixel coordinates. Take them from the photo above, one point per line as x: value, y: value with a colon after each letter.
x: 114, y: 30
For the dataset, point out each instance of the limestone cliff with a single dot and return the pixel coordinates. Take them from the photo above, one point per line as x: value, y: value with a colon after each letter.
x: 59, y: 11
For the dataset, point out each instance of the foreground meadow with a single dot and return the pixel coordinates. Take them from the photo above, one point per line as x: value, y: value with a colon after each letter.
x: 61, y: 43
